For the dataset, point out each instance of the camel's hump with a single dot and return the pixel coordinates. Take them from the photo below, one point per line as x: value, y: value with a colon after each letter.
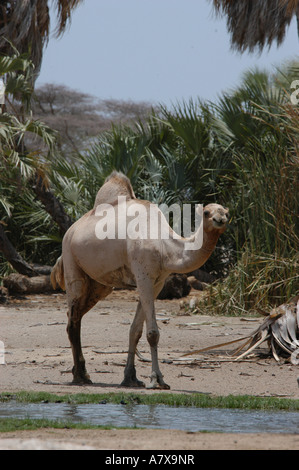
x: 116, y: 184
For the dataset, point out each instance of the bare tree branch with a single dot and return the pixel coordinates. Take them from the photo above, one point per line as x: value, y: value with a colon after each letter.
x: 51, y: 204
x: 14, y: 258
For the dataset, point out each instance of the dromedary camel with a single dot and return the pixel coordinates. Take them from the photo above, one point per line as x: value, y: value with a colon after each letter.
x: 91, y: 266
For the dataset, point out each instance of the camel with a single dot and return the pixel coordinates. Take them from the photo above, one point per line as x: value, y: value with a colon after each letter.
x: 90, y: 267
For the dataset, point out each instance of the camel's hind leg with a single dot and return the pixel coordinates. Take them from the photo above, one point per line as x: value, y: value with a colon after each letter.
x: 83, y: 293
x: 130, y: 379
x: 74, y: 333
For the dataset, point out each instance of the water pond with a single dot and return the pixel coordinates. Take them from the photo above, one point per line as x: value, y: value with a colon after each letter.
x: 190, y: 419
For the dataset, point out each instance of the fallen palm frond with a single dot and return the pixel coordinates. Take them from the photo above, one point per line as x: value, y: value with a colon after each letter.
x: 280, y: 328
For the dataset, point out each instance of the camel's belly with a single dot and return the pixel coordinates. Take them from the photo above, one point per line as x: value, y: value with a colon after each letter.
x: 121, y: 277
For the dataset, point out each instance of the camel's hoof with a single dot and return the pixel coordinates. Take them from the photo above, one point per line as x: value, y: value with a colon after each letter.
x: 82, y: 380
x: 132, y: 383
x: 157, y: 383
x: 80, y: 376
x: 158, y: 386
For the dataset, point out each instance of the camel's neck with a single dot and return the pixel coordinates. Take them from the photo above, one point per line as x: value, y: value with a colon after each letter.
x: 178, y: 259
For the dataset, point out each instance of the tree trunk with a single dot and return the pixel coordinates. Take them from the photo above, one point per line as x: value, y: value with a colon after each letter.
x: 54, y: 207
x: 51, y: 204
x: 19, y: 284
x: 175, y: 287
x: 14, y: 258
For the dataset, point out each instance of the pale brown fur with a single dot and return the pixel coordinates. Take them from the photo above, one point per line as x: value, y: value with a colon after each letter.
x: 90, y: 267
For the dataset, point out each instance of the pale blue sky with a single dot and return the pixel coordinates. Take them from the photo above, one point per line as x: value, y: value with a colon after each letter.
x: 160, y: 51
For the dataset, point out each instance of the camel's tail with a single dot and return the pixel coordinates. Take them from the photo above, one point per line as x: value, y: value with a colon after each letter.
x: 57, y: 274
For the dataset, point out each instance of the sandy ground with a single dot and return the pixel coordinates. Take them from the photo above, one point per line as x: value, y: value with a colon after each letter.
x: 38, y: 357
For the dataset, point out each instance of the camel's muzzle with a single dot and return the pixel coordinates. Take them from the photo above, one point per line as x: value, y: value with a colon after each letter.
x: 219, y: 221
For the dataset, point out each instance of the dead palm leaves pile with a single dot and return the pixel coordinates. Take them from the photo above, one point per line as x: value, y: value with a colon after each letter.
x: 280, y: 329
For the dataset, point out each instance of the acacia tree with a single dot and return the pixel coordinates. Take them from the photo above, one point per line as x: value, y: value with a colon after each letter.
x: 79, y: 117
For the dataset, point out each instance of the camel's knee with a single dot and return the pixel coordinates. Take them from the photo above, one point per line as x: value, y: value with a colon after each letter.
x: 76, y: 287
x: 153, y: 337
x: 76, y: 308
x: 74, y: 319
x: 136, y: 331
x: 73, y: 331
x: 71, y: 326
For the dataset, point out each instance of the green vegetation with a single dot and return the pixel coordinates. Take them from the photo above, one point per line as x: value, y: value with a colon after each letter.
x: 13, y: 424
x: 241, y: 152
x: 170, y: 399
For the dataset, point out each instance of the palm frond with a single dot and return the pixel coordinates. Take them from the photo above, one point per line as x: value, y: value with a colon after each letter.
x: 257, y: 24
x: 6, y: 205
x: 26, y: 25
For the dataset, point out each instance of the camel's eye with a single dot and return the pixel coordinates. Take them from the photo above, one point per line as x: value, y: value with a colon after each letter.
x: 206, y: 213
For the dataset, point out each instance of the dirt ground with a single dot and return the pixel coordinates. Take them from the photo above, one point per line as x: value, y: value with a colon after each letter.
x: 38, y: 357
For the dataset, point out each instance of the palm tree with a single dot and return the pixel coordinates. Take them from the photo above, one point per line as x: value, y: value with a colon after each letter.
x: 25, y: 24
x: 22, y: 169
x: 256, y: 24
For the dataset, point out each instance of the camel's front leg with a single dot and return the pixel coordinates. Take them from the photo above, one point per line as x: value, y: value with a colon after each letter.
x: 152, y: 333
x: 156, y: 377
x: 130, y: 379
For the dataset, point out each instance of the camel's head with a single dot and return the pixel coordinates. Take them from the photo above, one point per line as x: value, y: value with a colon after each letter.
x: 215, y: 218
